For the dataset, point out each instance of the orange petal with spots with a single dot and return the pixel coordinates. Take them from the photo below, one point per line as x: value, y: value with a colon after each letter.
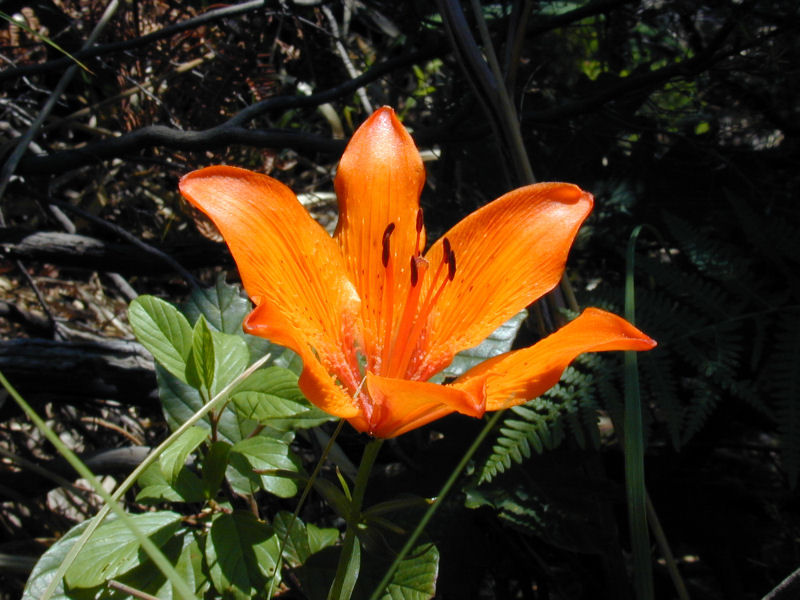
x: 378, y: 182
x: 508, y: 254
x: 290, y: 267
x: 516, y: 377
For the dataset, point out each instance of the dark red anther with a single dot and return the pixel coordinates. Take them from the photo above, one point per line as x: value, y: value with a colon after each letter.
x: 420, y: 222
x: 414, y: 272
x: 386, y: 235
x: 451, y: 266
x: 447, y: 251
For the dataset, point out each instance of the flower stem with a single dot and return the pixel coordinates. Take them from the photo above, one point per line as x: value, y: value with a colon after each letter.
x: 346, y: 573
x: 387, y: 578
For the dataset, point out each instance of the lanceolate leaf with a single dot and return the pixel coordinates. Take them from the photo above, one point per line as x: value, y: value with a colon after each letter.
x: 164, y: 331
x: 200, y: 365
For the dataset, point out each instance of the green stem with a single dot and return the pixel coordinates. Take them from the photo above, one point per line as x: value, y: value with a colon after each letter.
x: 435, y: 505
x: 634, y: 449
x: 344, y: 581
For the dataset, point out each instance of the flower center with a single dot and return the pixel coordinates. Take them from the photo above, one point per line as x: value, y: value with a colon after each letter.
x: 401, y: 335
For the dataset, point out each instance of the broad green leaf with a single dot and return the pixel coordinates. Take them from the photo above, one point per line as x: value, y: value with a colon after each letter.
x: 48, y: 564
x: 180, y: 400
x: 497, y: 343
x: 155, y: 488
x: 271, y: 397
x: 224, y: 307
x: 174, y: 457
x: 320, y: 538
x: 264, y: 454
x: 183, y: 552
x: 113, y: 549
x: 241, y: 554
x: 304, y: 540
x: 200, y: 369
x: 214, y: 465
x: 164, y: 331
x: 296, y: 549
x: 231, y: 358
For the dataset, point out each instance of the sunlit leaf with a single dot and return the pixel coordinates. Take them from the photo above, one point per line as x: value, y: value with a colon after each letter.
x: 262, y: 453
x: 113, y: 549
x: 164, y: 331
x: 173, y: 458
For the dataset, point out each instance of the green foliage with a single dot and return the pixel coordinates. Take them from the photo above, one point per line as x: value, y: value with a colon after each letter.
x: 242, y: 449
x: 542, y: 423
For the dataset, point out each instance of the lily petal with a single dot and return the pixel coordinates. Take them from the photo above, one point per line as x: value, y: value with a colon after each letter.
x: 378, y: 182
x: 402, y: 405
x: 290, y: 267
x: 316, y: 381
x: 508, y: 254
x: 516, y: 377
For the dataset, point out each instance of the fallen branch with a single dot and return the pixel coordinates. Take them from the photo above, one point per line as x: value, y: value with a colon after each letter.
x: 116, y: 462
x: 46, y: 370
x: 84, y: 252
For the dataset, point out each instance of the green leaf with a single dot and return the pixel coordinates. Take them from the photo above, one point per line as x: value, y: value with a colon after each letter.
x: 222, y: 306
x: 241, y: 554
x: 48, y: 564
x: 304, y: 540
x: 264, y: 454
x: 225, y: 308
x: 155, y: 488
x: 113, y: 549
x: 200, y: 365
x: 183, y: 551
x: 415, y: 578
x: 174, y: 457
x: 231, y: 358
x: 271, y: 397
x: 497, y: 343
x: 164, y: 331
x: 180, y: 400
x: 214, y: 465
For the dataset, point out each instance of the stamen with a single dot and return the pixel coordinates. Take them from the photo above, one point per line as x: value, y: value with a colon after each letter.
x: 386, y: 235
x: 451, y: 266
x: 414, y: 273
x: 387, y: 291
x: 446, y: 250
x: 420, y: 224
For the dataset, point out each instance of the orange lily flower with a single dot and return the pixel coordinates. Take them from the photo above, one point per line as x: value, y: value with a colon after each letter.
x: 372, y: 314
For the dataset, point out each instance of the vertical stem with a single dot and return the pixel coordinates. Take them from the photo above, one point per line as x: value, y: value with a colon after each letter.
x: 338, y: 590
x: 634, y: 449
x: 376, y: 593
